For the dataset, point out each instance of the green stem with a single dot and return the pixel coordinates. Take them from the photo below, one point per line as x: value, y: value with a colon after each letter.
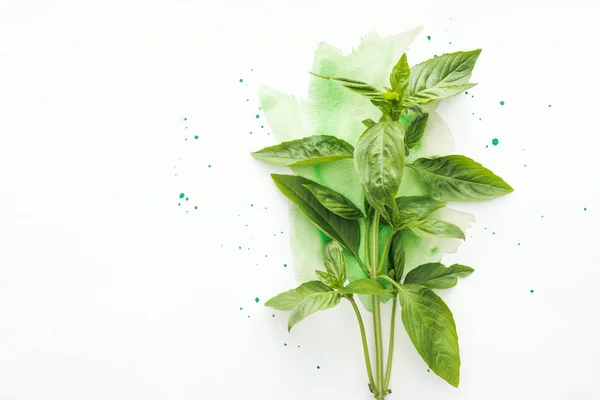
x: 388, y: 372
x: 374, y: 247
x: 365, y: 344
x: 386, y: 250
x: 390, y: 280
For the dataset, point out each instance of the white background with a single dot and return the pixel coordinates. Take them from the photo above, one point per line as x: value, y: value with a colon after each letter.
x: 109, y: 289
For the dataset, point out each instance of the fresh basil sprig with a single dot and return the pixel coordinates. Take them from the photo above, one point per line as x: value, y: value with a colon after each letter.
x: 379, y: 163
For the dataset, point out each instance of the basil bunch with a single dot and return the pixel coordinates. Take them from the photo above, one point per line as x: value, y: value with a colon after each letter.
x: 379, y: 162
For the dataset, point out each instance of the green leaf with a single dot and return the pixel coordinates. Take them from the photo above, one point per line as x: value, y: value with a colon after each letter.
x: 396, y: 258
x: 287, y: 301
x: 414, y: 121
x: 335, y: 261
x: 328, y: 279
x: 310, y: 150
x: 379, y: 162
x: 400, y: 76
x: 431, y: 328
x: 441, y: 77
x: 311, y: 304
x: 416, y: 207
x: 365, y: 286
x: 334, y: 201
x: 436, y: 276
x: 346, y: 232
x: 459, y: 178
x: 364, y: 89
x: 368, y: 122
x: 434, y: 228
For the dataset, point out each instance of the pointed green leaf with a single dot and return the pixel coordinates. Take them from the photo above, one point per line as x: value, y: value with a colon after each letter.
x: 365, y: 286
x: 416, y: 207
x: 441, y: 77
x: 310, y: 150
x: 346, y: 232
x: 311, y: 304
x: 459, y: 178
x: 334, y: 201
x: 368, y: 122
x: 436, y: 276
x: 414, y: 121
x: 400, y: 76
x: 434, y: 228
x: 396, y: 258
x: 364, y: 89
x: 431, y: 328
x: 287, y: 301
x: 335, y: 260
x: 379, y: 162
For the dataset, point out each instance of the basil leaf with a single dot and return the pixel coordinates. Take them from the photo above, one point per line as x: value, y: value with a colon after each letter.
x: 414, y: 121
x: 434, y: 228
x: 364, y: 89
x: 436, y: 276
x: 396, y: 258
x: 431, y: 328
x: 379, y: 162
x: 311, y: 304
x: 441, y: 77
x: 368, y: 122
x: 287, y: 301
x: 416, y: 207
x: 328, y: 279
x: 310, y: 150
x: 334, y: 201
x: 365, y: 286
x: 345, y: 232
x: 459, y: 178
x: 400, y: 76
x: 335, y: 261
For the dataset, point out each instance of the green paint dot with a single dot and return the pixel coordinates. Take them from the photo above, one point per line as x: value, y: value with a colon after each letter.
x: 549, y: 105
x: 531, y: 291
x: 518, y: 244
x: 466, y: 92
x: 179, y: 204
x: 435, y: 55
x: 428, y: 37
x: 241, y: 80
x: 257, y: 299
x: 285, y: 344
x: 449, y: 42
x: 257, y: 116
x: 185, y: 119
x: 284, y: 265
x: 187, y: 199
x: 486, y: 146
x: 209, y: 166
x: 428, y: 370
x: 273, y: 315
x: 584, y: 208
x: 251, y: 133
x: 495, y: 142
x: 241, y: 308
x: 502, y: 103
x: 195, y: 207
x: 262, y: 126
x: 318, y: 367
x: 251, y: 205
x: 181, y: 195
x: 525, y: 165
x: 196, y: 137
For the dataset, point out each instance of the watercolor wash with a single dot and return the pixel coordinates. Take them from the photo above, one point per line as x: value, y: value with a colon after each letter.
x: 373, y: 168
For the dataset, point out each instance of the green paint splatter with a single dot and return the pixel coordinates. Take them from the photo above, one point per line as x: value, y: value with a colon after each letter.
x: 257, y: 116
x: 185, y: 119
x: 285, y: 344
x: 549, y: 105
x: 196, y: 137
x: 495, y: 142
x: 584, y: 208
x: 466, y: 92
x: 181, y: 195
x: 187, y: 199
x: 531, y: 291
x: 251, y: 133
x: 318, y: 367
x: 195, y: 207
x: 284, y: 265
x: 241, y: 80
x: 518, y: 244
x: 257, y: 299
x: 209, y: 166
x: 502, y: 103
x: 428, y: 37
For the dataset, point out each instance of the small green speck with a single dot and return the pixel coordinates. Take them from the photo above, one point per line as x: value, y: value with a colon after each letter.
x: 531, y: 291
x: 179, y: 204
x: 486, y: 146
x: 549, y: 105
x: 449, y: 42
x: 273, y: 315
x: 518, y: 244
x: 466, y: 92
x: 428, y: 37
x: 196, y: 137
x: 318, y: 367
x: 241, y: 308
x: 241, y: 80
x: 284, y: 265
x: 257, y: 116
x: 495, y: 142
x: 584, y: 208
x: 209, y: 166
x: 251, y: 133
x: 435, y: 55
x: 195, y: 207
x: 181, y: 195
x: 502, y: 103
x: 185, y: 119
x: 262, y: 126
x: 434, y: 250
x: 257, y: 299
x: 428, y: 370
x: 251, y: 205
x: 285, y: 344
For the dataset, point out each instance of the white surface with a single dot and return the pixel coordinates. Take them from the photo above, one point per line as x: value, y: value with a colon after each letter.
x: 108, y: 289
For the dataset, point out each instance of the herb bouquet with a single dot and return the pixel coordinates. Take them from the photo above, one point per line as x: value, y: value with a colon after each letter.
x: 379, y: 163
